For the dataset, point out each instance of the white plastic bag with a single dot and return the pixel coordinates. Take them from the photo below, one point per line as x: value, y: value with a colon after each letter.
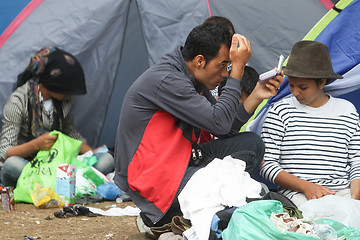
x: 342, y: 209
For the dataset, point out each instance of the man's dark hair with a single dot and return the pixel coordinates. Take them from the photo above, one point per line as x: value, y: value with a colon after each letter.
x: 222, y: 20
x: 206, y: 40
x: 248, y: 81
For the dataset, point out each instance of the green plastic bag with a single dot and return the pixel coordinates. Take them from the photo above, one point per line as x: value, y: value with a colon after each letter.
x: 42, y: 169
x: 252, y: 221
x: 86, y: 179
x: 340, y: 230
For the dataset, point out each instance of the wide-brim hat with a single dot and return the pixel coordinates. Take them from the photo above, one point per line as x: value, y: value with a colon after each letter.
x: 310, y: 59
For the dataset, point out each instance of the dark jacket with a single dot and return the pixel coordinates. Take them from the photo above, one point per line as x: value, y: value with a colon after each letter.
x: 159, y: 115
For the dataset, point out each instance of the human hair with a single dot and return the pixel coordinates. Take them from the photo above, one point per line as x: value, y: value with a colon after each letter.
x: 206, y: 40
x: 221, y: 20
x: 318, y: 80
x: 248, y: 80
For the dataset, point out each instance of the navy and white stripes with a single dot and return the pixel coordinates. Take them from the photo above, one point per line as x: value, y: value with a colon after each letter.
x: 321, y: 145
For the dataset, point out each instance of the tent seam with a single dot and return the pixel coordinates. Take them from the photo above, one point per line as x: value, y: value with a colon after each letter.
x: 28, y: 9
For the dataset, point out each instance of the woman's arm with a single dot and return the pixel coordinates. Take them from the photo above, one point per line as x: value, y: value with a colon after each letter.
x: 85, y: 148
x: 355, y: 189
x: 311, y: 190
x: 44, y: 142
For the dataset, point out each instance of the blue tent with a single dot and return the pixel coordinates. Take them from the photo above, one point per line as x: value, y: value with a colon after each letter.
x: 342, y: 36
x: 340, y: 31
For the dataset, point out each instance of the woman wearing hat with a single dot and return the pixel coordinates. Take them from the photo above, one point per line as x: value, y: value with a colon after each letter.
x: 42, y: 103
x: 312, y: 139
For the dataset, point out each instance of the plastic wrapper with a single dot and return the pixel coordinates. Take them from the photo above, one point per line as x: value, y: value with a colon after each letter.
x: 252, y: 221
x: 45, y: 197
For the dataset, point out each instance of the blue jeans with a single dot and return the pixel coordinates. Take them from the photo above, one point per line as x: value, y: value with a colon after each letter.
x: 105, y: 163
x: 11, y: 170
x: 13, y: 166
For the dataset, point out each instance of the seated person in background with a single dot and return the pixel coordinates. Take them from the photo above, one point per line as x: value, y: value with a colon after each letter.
x: 312, y: 140
x: 165, y: 109
x: 42, y: 103
x: 249, y: 81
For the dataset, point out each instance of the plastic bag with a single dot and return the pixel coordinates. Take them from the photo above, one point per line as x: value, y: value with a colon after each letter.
x: 252, y: 221
x: 340, y: 231
x: 109, y: 191
x: 342, y: 209
x: 45, y: 197
x: 87, y: 179
x: 42, y: 169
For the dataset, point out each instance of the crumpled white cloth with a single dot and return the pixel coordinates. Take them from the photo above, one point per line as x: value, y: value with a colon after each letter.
x: 190, y: 234
x: 221, y: 183
x: 127, y: 211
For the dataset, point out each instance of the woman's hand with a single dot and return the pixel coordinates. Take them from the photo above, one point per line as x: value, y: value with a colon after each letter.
x: 45, y: 141
x: 311, y: 190
x: 315, y: 191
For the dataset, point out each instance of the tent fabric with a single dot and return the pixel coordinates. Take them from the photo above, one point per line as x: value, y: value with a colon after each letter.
x: 341, y: 35
x: 116, y: 40
x: 271, y: 26
x: 9, y: 11
x: 7, y: 29
x: 93, y: 37
x: 161, y: 22
x: 327, y: 3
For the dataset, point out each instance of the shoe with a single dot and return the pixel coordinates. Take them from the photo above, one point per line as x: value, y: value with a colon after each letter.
x: 73, y: 211
x: 157, y: 231
x: 179, y: 225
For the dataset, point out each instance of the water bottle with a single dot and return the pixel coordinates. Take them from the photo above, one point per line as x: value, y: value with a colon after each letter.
x: 122, y: 197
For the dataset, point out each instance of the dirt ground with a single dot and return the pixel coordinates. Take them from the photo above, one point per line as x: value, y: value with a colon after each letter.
x: 29, y: 221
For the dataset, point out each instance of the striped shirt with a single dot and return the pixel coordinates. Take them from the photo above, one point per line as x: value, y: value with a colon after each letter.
x: 15, y: 129
x: 320, y: 145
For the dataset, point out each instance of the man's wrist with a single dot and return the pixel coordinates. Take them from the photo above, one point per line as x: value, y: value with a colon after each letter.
x: 237, y: 72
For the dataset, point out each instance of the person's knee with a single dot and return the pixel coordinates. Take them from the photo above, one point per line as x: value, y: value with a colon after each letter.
x: 251, y: 142
x: 256, y: 141
x: 258, y: 146
x: 105, y: 163
x: 12, y: 169
x: 14, y: 163
x: 252, y: 150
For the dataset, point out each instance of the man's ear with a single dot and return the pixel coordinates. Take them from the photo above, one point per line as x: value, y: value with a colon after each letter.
x: 199, y: 61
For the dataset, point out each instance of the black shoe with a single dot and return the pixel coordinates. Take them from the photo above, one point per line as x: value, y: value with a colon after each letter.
x: 73, y: 211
